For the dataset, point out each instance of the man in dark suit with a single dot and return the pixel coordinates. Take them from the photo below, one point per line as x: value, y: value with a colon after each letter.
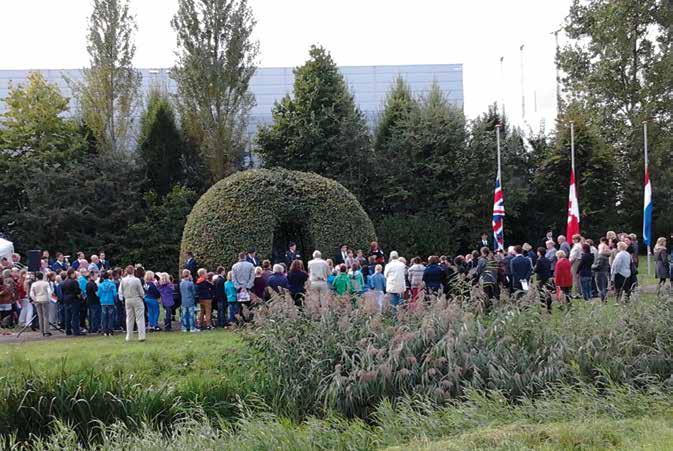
x: 190, y: 264
x: 342, y: 255
x: 292, y: 254
x: 252, y: 257
x: 521, y: 269
x: 484, y: 242
x: 61, y: 264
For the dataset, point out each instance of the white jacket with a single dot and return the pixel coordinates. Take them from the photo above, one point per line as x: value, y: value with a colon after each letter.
x: 395, y: 280
x: 40, y: 292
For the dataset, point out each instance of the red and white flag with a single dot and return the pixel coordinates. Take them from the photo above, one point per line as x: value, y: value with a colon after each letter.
x: 573, y: 209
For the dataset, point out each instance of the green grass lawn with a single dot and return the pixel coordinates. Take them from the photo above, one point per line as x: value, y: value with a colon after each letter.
x: 162, y: 353
x: 651, y: 434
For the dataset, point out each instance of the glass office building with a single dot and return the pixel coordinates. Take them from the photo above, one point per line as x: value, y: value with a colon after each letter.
x: 369, y: 85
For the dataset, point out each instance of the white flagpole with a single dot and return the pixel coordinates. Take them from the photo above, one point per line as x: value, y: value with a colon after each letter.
x: 572, y: 148
x: 497, y: 129
x: 649, y: 246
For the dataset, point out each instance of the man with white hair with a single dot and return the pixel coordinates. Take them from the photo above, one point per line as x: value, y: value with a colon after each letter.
x: 318, y: 272
x: 550, y: 253
x: 563, y: 244
x: 395, y: 273
x: 95, y: 264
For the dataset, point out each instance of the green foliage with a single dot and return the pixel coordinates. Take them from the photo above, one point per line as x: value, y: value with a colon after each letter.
x: 216, y: 60
x: 572, y: 418
x: 438, y: 373
x: 84, y: 202
x: 160, y: 145
x: 418, y: 234
x: 478, y: 173
x: 108, y: 93
x: 34, y: 123
x: 618, y: 66
x: 155, y: 240
x: 595, y: 171
x: 319, y: 129
x: 248, y: 208
x: 87, y: 383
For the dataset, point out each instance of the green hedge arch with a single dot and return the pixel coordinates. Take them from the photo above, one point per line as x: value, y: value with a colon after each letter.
x: 253, y: 207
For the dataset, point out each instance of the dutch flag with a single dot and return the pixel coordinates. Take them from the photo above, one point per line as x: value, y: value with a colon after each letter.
x: 647, y: 210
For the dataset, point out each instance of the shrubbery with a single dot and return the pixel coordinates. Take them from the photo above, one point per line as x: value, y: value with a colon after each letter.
x: 247, y: 209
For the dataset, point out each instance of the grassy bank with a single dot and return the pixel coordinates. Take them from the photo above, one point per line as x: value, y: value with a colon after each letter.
x: 568, y: 418
x: 104, y: 380
x: 441, y: 376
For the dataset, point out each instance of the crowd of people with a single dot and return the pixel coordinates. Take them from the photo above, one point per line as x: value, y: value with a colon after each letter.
x: 89, y: 296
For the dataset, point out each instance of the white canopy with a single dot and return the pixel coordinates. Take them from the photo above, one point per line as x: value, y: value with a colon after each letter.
x: 6, y: 249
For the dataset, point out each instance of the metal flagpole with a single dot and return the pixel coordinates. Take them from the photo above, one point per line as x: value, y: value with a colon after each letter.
x: 502, y: 86
x: 498, y: 202
x: 649, y: 244
x: 572, y: 146
x: 497, y: 128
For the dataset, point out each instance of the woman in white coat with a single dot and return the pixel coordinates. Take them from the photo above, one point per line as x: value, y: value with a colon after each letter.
x: 40, y: 294
x: 395, y: 274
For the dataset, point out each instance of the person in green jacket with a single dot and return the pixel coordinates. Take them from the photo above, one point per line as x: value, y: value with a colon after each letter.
x: 342, y: 283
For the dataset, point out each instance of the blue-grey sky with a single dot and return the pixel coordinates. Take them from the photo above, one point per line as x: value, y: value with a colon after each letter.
x: 51, y: 34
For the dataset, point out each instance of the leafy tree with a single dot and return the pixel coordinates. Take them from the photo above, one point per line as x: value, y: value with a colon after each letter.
x: 155, y: 240
x: 478, y: 172
x: 595, y: 172
x: 34, y: 122
x: 419, y: 153
x: 391, y: 152
x: 84, y: 203
x: 216, y: 60
x: 619, y: 67
x: 319, y: 129
x: 160, y: 146
x: 108, y: 93
x: 400, y: 105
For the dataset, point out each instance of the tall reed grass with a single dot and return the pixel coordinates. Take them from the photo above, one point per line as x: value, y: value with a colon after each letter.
x: 348, y: 360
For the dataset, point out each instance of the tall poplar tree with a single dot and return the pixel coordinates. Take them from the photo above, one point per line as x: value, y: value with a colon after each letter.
x: 108, y: 92
x: 216, y: 60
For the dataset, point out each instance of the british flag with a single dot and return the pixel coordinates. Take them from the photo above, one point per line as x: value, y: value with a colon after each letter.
x: 498, y: 216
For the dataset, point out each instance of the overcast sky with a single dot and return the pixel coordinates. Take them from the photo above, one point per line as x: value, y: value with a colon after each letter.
x: 50, y: 34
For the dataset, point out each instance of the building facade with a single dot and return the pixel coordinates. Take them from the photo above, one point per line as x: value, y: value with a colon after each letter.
x: 369, y: 85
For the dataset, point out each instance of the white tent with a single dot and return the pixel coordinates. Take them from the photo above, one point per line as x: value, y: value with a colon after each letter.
x: 6, y: 249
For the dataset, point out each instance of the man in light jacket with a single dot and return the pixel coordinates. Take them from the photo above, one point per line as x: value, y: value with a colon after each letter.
x: 243, y: 273
x: 575, y: 257
x: 318, y: 272
x: 621, y: 271
x: 395, y: 273
x: 131, y: 290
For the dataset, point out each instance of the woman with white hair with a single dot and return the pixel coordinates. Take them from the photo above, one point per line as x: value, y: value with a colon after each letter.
x: 621, y: 271
x: 395, y: 274
x: 278, y: 280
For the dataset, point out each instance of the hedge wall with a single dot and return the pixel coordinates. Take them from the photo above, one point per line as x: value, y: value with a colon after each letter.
x: 247, y: 208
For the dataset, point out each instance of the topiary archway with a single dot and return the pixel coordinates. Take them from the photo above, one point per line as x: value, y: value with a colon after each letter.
x: 267, y: 208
